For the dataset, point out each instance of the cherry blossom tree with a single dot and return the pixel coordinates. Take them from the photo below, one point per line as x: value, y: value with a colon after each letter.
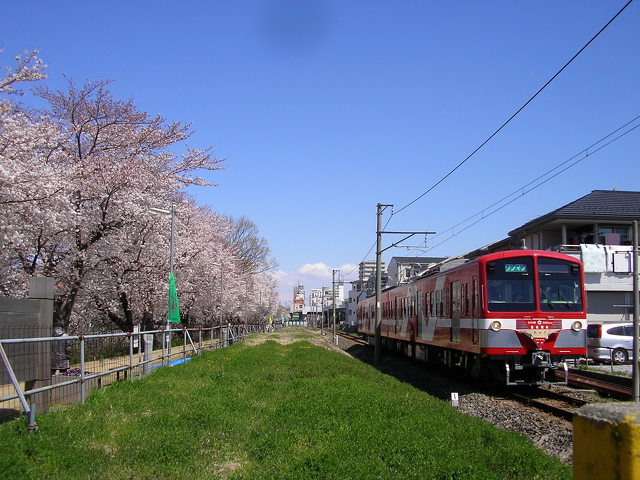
x: 32, y: 179
x: 123, y: 161
x: 249, y: 247
x: 76, y: 184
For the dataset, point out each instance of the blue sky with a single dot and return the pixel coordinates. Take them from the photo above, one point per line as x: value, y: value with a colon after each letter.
x: 325, y: 108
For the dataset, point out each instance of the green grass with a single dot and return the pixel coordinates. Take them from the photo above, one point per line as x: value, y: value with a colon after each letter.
x: 267, y: 412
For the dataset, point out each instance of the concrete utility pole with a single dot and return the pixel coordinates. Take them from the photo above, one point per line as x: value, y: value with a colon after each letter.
x: 321, y: 310
x: 378, y: 334
x: 636, y: 325
x: 333, y: 293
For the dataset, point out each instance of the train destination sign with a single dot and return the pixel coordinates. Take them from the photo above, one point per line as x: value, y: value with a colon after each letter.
x: 515, y: 268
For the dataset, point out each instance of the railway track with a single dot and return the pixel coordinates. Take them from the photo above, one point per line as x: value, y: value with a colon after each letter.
x: 609, y: 385
x: 562, y: 405
x: 352, y: 338
x: 559, y: 404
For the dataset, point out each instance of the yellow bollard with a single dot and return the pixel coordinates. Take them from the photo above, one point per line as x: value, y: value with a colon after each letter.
x: 606, y: 442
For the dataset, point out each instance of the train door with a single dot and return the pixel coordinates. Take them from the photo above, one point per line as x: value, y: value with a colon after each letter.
x: 475, y: 312
x: 455, y: 311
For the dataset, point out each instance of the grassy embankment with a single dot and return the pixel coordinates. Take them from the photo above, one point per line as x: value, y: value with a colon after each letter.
x: 268, y: 411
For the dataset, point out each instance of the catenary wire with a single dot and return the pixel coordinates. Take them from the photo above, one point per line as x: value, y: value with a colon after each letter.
x: 520, y: 189
x: 585, y: 154
x: 516, y: 113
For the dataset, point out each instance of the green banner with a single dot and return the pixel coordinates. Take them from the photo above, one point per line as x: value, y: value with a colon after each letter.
x: 174, y: 307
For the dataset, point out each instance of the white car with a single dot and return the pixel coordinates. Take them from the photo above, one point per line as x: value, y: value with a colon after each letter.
x: 610, y: 341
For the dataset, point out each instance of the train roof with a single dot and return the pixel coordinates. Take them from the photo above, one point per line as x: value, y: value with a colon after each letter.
x: 454, y: 262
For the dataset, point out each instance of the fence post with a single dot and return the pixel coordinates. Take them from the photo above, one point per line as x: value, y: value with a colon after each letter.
x: 83, y: 393
x: 130, y: 357
x: 224, y: 336
x: 148, y: 353
x: 32, y: 426
x: 184, y: 344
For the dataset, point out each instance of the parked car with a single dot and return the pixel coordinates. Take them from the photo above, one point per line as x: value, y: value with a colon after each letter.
x: 610, y: 341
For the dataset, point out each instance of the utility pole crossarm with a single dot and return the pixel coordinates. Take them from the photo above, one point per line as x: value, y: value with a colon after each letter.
x: 409, y: 235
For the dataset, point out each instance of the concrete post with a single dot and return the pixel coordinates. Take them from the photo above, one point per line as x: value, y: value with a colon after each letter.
x: 606, y: 441
x: 41, y: 289
x: 148, y: 352
x: 224, y: 333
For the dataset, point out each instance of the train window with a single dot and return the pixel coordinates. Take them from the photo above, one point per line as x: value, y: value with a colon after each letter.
x: 510, y: 285
x: 466, y: 299
x: 446, y: 303
x: 431, y: 300
x: 559, y: 283
x: 475, y: 297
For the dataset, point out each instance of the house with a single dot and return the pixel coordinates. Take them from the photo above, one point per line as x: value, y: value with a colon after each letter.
x: 402, y: 269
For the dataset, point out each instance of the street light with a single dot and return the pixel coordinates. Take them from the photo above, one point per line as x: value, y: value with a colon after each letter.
x: 172, y: 213
x: 221, y: 265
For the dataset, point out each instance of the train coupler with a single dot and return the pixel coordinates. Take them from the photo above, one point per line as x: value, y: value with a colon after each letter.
x: 536, y: 372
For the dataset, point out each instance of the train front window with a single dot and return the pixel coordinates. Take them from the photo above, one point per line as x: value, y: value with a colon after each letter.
x: 510, y: 285
x: 559, y: 285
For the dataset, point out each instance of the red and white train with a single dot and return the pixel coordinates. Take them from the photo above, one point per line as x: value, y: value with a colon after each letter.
x: 513, y: 316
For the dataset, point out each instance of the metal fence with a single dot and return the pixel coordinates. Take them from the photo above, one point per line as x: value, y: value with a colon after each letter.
x: 74, y: 365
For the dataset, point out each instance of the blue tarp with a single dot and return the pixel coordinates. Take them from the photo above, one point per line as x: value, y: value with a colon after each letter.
x: 175, y: 362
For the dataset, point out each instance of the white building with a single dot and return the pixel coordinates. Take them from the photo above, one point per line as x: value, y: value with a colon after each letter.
x: 403, y: 269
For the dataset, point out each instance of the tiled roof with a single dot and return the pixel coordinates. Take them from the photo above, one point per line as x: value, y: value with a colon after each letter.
x: 597, y: 205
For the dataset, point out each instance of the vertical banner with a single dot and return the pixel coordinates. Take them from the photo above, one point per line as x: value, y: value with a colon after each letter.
x: 174, y: 307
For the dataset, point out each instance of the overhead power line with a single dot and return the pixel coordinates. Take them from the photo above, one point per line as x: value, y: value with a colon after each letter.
x: 498, y: 130
x: 539, y: 181
x: 516, y: 113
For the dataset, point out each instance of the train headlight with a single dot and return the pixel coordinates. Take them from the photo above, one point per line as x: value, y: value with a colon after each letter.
x: 495, y: 326
x: 576, y: 326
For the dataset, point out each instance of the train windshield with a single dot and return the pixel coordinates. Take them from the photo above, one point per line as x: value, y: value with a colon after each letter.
x: 559, y: 282
x: 510, y: 285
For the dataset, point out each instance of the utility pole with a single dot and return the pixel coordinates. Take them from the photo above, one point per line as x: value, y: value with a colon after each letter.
x: 321, y: 310
x: 378, y: 327
x: 636, y: 325
x: 333, y: 292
